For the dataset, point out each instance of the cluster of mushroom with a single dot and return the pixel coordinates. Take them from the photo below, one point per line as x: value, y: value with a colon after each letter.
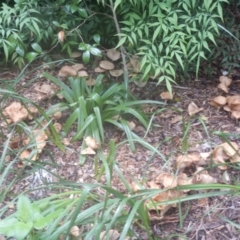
x: 230, y: 103
x: 77, y: 70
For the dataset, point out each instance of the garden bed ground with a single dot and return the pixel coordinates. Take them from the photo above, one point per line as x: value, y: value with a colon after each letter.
x: 201, y: 219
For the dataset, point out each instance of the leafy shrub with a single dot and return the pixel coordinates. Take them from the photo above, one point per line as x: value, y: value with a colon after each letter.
x: 171, y: 36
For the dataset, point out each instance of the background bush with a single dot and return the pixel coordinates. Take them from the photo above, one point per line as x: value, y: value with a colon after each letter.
x: 173, y: 37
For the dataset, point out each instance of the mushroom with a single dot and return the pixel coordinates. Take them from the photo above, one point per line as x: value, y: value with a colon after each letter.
x: 106, y: 65
x: 116, y: 72
x: 67, y: 71
x: 234, y: 102
x: 77, y: 66
x: 82, y: 74
x: 225, y: 80
x: 166, y: 95
x: 218, y: 102
x: 99, y: 70
x: 76, y: 54
x: 113, y: 54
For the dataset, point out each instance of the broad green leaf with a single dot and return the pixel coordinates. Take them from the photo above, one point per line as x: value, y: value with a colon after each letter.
x: 82, y: 46
x: 83, y: 12
x: 86, y: 56
x: 97, y: 38
x: 21, y: 230
x: 36, y: 47
x: 20, y: 51
x: 116, y: 4
x: 30, y: 56
x: 24, y: 209
x: 96, y: 52
x: 6, y: 226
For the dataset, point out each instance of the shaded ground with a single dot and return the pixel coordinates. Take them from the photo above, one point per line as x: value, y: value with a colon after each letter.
x: 199, y: 219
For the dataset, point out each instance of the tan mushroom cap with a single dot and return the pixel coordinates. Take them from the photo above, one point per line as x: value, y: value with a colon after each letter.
x: 106, y: 65
x: 77, y: 66
x: 218, y: 101
x: 166, y: 95
x: 113, y: 54
x: 223, y: 87
x: 225, y: 80
x: 67, y: 71
x: 116, y: 72
x: 99, y: 70
x: 76, y: 54
x: 82, y: 74
x: 234, y: 102
x: 235, y: 114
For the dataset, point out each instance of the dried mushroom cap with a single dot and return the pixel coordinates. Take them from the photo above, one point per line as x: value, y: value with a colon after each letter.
x: 16, y: 112
x: 44, y: 88
x: 226, y: 108
x: 106, y: 65
x: 82, y: 74
x: 234, y: 103
x: 77, y: 66
x: 99, y: 70
x: 116, y: 72
x: 67, y: 71
x: 225, y: 80
x: 166, y: 95
x: 235, y: 114
x: 218, y: 101
x: 223, y: 87
x: 113, y: 54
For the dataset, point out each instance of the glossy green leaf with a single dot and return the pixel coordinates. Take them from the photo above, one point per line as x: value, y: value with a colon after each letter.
x: 36, y: 47
x: 86, y: 56
x: 96, y: 52
x: 30, y: 56
x: 97, y: 38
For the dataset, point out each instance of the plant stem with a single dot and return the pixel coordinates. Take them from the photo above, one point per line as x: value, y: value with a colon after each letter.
x: 122, y: 49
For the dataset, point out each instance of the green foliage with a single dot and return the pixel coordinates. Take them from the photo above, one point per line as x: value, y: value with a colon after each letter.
x: 27, y: 218
x: 92, y: 107
x: 88, y: 49
x: 171, y: 36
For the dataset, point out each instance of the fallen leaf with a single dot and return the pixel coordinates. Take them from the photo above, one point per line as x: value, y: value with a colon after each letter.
x: 183, y: 161
x: 167, y: 180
